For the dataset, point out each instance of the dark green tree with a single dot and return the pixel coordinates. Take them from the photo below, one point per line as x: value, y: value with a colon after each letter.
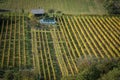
x: 9, y: 75
x: 91, y: 73
x: 51, y: 12
x: 111, y: 75
x: 112, y: 6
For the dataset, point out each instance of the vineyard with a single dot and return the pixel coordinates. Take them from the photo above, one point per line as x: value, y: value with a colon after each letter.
x: 54, y: 53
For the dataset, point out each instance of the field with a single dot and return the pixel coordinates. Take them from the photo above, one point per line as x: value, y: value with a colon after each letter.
x: 83, y: 34
x: 55, y: 53
x: 66, y: 6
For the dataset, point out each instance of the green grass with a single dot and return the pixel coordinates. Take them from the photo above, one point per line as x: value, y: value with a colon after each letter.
x: 66, y: 6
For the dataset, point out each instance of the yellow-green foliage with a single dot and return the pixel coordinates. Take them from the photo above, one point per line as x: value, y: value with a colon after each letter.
x: 30, y: 15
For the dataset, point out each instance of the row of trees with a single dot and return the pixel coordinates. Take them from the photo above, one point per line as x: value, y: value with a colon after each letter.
x: 18, y: 75
x: 103, y: 70
x: 113, y: 6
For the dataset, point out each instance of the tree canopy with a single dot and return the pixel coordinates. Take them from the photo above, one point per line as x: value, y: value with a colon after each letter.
x: 112, y: 6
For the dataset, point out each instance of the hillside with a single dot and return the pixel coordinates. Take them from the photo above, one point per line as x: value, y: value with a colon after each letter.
x: 59, y: 40
x: 66, y: 6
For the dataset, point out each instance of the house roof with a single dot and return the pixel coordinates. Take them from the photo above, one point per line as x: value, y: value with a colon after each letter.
x: 38, y: 11
x: 47, y: 21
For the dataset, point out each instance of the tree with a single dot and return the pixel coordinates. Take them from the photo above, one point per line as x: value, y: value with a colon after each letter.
x: 91, y: 73
x: 23, y: 10
x: 106, y: 69
x: 59, y: 13
x: 46, y: 15
x: 51, y: 12
x: 9, y: 75
x: 1, y: 73
x: 112, y: 6
x: 111, y: 75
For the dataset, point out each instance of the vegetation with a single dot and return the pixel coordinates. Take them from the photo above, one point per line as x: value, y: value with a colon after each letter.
x: 111, y: 75
x: 51, y: 12
x: 77, y: 47
x: 104, y: 70
x: 18, y: 75
x: 112, y: 6
x: 45, y: 51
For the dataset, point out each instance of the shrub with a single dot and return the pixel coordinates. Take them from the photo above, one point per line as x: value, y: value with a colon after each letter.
x: 112, y: 6
x: 91, y: 73
x: 111, y: 75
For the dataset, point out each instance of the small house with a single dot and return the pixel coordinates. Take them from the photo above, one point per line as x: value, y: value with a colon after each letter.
x: 38, y: 12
